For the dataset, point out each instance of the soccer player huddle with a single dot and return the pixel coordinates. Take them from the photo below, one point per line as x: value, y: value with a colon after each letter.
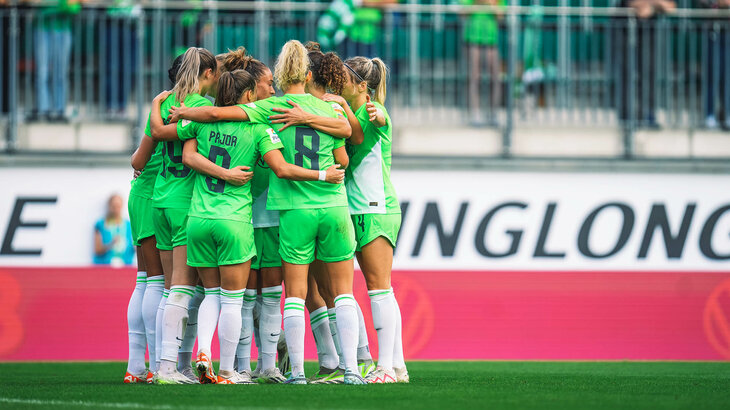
x: 233, y: 199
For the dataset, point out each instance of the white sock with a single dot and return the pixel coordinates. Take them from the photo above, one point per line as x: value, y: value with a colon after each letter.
x: 347, y: 329
x: 229, y: 326
x: 208, y: 314
x: 135, y: 327
x: 174, y: 322
x: 326, y: 351
x: 363, y: 347
x: 398, y: 359
x: 294, y: 331
x: 335, y: 337
x: 243, y: 351
x: 384, y: 319
x: 158, y: 326
x: 150, y: 305
x: 184, y: 356
x: 256, y: 327
x: 270, y: 325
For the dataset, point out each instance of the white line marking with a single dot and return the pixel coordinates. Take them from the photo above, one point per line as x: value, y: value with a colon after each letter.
x: 45, y: 403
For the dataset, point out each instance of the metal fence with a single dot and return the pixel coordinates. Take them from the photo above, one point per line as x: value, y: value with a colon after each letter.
x: 563, y: 66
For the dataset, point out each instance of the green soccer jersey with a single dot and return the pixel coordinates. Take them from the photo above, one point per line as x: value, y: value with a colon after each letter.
x: 262, y: 217
x: 227, y: 144
x: 144, y: 184
x: 369, y: 189
x: 305, y: 147
x: 174, y: 184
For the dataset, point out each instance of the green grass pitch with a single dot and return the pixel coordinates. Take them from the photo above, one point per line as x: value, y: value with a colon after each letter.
x: 490, y: 385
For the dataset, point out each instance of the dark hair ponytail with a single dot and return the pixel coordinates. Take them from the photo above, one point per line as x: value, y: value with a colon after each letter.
x: 174, y: 68
x: 232, y: 85
x: 328, y: 71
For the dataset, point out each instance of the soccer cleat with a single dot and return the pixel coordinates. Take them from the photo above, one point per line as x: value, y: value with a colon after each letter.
x: 130, y: 378
x: 256, y: 372
x: 401, y: 375
x: 328, y: 376
x: 190, y: 374
x: 150, y: 377
x: 235, y: 378
x: 271, y: 376
x: 248, y: 374
x: 171, y: 378
x: 365, y: 367
x: 353, y: 378
x: 381, y: 375
x: 206, y: 375
x: 281, y: 349
x: 300, y: 379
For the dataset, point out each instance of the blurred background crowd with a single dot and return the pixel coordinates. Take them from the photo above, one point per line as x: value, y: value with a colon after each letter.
x: 495, y: 66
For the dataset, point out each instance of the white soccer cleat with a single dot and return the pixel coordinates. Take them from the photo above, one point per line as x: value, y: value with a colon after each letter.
x: 271, y: 376
x: 401, y: 375
x: 381, y: 375
x: 353, y: 378
x: 234, y: 378
x: 299, y: 379
x: 171, y: 378
x: 190, y: 374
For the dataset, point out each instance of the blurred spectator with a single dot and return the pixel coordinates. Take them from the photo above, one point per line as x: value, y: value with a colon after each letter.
x: 641, y: 104
x: 481, y: 35
x: 363, y: 34
x: 120, y: 39
x: 191, y: 30
x: 113, y: 236
x: 715, y: 67
x: 52, y: 54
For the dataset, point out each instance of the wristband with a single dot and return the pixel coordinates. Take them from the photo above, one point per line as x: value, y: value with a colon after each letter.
x: 322, y: 175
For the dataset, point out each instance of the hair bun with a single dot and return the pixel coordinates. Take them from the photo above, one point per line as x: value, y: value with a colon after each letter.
x: 313, y: 46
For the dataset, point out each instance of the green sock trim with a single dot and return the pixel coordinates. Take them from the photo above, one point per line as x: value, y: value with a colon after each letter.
x: 293, y: 308
x: 343, y: 297
x: 378, y: 294
x: 180, y: 290
x: 318, y: 317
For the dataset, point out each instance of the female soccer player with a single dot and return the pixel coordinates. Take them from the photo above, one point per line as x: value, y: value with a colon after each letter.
x: 311, y: 214
x: 328, y: 74
x: 198, y: 75
x: 375, y: 210
x: 143, y: 309
x: 265, y: 302
x: 219, y: 227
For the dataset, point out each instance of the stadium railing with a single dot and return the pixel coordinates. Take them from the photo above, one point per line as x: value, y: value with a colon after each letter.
x: 579, y: 69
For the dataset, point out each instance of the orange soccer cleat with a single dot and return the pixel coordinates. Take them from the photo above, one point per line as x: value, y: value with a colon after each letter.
x: 130, y: 378
x: 204, y: 365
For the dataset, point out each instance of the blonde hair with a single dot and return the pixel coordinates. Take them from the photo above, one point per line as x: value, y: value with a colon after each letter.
x: 292, y: 65
x: 194, y: 63
x: 374, y: 72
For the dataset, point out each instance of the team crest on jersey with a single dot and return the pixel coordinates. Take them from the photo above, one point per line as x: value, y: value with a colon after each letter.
x: 251, y: 105
x: 184, y: 123
x: 338, y: 109
x: 273, y: 136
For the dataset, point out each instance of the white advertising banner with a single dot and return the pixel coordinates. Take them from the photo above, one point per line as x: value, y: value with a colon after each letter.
x: 452, y: 220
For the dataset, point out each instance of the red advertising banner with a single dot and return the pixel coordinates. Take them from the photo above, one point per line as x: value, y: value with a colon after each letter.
x: 79, y: 314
